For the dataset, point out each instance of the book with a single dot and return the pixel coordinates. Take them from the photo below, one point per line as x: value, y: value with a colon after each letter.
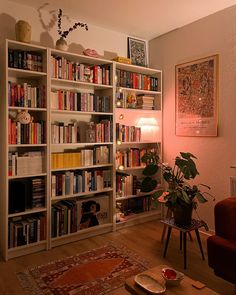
x: 94, y: 211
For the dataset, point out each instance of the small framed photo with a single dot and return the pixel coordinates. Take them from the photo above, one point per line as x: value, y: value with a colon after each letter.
x: 137, y: 52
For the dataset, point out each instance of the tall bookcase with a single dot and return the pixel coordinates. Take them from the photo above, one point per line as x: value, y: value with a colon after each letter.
x: 138, y: 113
x: 59, y: 115
x: 25, y: 150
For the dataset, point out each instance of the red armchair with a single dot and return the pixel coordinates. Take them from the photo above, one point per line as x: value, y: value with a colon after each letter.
x: 222, y: 246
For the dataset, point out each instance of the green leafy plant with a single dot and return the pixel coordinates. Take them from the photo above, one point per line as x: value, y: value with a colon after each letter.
x: 180, y: 192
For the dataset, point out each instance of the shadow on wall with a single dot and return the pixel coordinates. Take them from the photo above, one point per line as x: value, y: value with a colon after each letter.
x: 76, y: 48
x: 48, y: 21
x: 7, y: 25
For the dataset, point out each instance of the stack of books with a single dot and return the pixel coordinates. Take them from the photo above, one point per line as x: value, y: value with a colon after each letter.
x: 145, y: 102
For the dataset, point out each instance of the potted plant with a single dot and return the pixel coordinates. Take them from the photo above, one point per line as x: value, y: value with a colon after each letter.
x: 151, y: 160
x: 181, y: 196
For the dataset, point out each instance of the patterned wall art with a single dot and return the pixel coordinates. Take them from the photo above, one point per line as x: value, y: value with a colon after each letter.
x: 137, y: 52
x: 196, y: 97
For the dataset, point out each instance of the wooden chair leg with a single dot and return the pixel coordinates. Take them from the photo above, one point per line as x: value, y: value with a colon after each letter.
x: 190, y: 236
x: 168, y: 215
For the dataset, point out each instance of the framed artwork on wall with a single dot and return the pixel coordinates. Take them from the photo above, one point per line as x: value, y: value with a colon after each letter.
x: 196, y: 94
x: 137, y: 52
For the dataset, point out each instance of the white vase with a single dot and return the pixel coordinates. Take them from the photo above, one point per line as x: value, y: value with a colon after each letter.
x: 23, y: 31
x: 61, y: 44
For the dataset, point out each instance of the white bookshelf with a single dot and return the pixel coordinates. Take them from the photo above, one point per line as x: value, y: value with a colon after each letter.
x: 18, y: 76
x: 128, y: 114
x: 52, y: 116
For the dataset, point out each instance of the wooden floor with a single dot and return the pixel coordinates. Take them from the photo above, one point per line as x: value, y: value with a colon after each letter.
x: 144, y: 239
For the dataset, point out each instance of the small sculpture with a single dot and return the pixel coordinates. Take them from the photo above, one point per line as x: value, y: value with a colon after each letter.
x: 24, y: 117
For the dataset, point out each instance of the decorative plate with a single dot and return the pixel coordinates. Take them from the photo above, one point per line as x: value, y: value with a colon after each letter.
x: 149, y: 284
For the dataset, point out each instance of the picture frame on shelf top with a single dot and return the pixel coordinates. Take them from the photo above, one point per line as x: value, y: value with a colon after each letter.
x: 137, y: 52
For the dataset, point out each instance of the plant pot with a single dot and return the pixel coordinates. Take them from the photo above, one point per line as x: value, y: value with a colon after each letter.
x: 183, y: 214
x: 61, y: 44
x: 23, y: 31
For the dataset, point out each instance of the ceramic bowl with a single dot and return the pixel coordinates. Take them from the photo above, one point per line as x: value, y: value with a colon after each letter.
x: 172, y: 276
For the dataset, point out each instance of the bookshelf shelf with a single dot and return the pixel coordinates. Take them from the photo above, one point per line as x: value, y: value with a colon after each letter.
x: 20, y: 73
x: 139, y: 90
x: 27, y: 176
x: 82, y: 234
x: 88, y: 84
x: 141, y: 194
x: 139, y: 218
x: 58, y: 198
x: 21, y: 145
x: 80, y: 144
x: 79, y: 57
x: 80, y: 113
x: 27, y: 212
x: 27, y: 109
x: 82, y: 167
x: 130, y: 169
x: 27, y: 249
x: 65, y: 82
x: 135, y: 143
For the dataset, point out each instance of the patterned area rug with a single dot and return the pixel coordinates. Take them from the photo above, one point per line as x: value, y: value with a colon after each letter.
x: 94, y: 272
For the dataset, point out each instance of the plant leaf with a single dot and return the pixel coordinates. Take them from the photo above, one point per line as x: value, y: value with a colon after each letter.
x: 150, y: 170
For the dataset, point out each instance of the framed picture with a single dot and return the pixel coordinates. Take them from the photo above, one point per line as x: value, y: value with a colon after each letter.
x: 137, y: 52
x: 196, y: 85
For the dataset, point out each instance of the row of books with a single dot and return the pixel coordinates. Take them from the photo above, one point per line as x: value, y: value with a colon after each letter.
x: 128, y: 133
x: 128, y: 208
x: 131, y: 100
x: 26, y: 95
x: 28, y: 163
x: 130, y: 158
x: 62, y: 133
x: 84, y: 157
x: 77, y: 101
x: 75, y: 182
x: 62, y: 68
x: 126, y: 185
x: 26, y: 194
x: 26, y: 60
x: 71, y: 216
x: 32, y: 133
x: 137, y: 81
x: 99, y: 132
x: 26, y: 230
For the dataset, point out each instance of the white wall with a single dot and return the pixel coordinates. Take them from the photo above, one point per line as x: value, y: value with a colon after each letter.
x: 215, y: 34
x: 44, y: 30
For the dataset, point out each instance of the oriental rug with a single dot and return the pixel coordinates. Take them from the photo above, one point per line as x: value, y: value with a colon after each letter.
x: 95, y: 272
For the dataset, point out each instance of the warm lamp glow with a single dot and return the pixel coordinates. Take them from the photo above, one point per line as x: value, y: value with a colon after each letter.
x: 121, y: 167
x: 121, y: 116
x: 118, y: 142
x: 118, y: 103
x: 149, y: 128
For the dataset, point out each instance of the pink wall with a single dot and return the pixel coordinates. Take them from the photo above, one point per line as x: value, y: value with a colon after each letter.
x: 215, y: 34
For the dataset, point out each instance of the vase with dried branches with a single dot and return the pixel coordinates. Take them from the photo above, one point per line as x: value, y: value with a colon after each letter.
x: 61, y: 43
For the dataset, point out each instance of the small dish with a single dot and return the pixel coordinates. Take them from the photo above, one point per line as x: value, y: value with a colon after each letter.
x: 172, y: 276
x: 149, y: 284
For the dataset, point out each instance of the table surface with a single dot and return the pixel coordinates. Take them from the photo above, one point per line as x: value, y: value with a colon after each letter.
x: 195, y: 224
x: 185, y: 287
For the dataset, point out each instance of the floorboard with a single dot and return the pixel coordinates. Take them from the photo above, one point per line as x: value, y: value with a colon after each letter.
x: 144, y: 239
